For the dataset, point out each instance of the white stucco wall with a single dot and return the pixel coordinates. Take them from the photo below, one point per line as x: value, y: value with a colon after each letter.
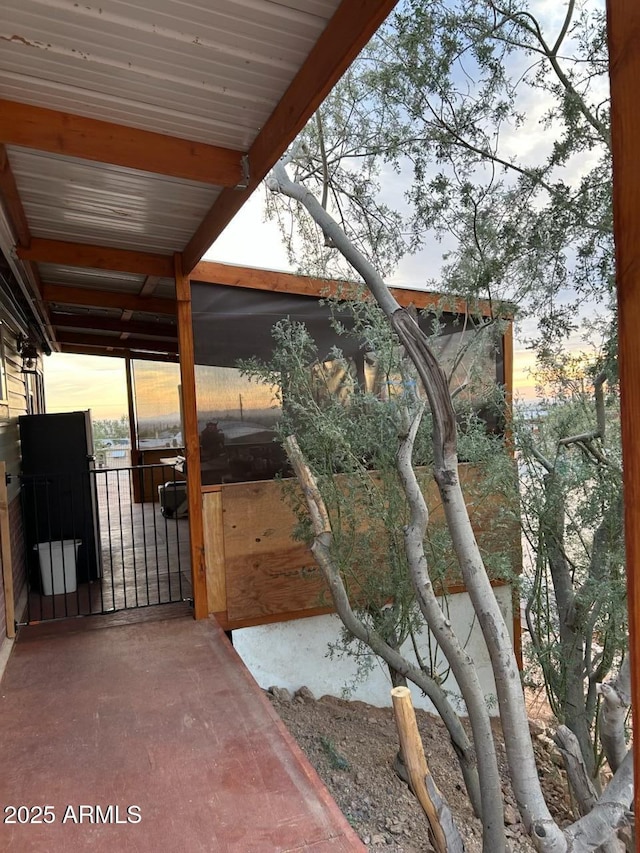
x: 292, y: 654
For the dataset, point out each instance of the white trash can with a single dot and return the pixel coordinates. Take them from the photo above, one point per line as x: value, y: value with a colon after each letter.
x: 58, y: 564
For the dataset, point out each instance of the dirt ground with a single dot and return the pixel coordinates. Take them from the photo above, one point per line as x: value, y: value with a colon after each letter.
x: 352, y: 746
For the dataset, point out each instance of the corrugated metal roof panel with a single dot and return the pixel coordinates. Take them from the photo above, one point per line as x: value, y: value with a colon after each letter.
x: 165, y: 288
x: 103, y: 280
x: 76, y: 312
x: 159, y: 341
x: 69, y: 199
x: 210, y: 70
x: 95, y: 279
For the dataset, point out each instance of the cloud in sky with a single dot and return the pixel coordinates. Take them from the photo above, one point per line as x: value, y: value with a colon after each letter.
x: 78, y: 382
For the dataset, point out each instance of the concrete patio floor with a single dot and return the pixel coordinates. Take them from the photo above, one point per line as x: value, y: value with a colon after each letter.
x: 161, y: 715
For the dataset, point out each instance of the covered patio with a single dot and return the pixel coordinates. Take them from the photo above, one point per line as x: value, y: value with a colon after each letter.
x: 161, y: 715
x: 127, y: 144
x: 129, y: 138
x: 130, y: 135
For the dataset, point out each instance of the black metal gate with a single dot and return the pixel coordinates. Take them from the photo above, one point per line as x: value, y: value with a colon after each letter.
x: 105, y: 539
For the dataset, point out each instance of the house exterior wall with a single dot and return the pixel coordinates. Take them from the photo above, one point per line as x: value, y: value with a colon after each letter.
x: 18, y: 555
x: 17, y: 397
x: 13, y: 405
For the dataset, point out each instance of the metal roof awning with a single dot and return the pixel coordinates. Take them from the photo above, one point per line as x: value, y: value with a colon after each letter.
x: 130, y: 132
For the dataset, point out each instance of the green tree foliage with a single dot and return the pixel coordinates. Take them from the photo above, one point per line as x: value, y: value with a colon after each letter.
x: 486, y: 124
x: 571, y: 500
x: 111, y: 428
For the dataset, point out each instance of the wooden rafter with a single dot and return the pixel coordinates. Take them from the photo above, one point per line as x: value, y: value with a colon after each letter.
x: 348, y: 31
x: 108, y: 342
x: 112, y: 324
x: 125, y: 260
x: 149, y: 286
x: 102, y: 141
x: 96, y: 257
x: 62, y: 295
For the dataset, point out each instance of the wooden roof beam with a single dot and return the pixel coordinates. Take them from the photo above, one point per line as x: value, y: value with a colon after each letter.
x: 282, y: 282
x: 44, y: 251
x: 142, y: 263
x: 104, y: 142
x: 348, y: 31
x: 111, y: 324
x: 62, y: 295
x: 116, y: 343
x: 148, y: 288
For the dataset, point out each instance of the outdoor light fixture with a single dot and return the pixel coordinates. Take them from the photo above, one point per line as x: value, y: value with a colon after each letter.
x: 29, y: 353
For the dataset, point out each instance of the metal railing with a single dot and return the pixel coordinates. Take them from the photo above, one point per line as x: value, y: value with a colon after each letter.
x: 105, y: 539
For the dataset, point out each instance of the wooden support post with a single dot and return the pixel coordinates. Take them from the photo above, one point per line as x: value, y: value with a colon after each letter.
x: 5, y: 548
x: 133, y: 433
x: 623, y: 32
x: 191, y: 440
x: 444, y: 835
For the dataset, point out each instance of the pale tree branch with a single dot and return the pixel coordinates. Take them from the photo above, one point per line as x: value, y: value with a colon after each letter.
x: 545, y: 832
x: 616, y: 697
x: 582, y: 786
x: 461, y: 664
x: 533, y: 808
x: 611, y: 812
x: 530, y: 23
x: 322, y: 551
x: 323, y: 157
x: 565, y: 27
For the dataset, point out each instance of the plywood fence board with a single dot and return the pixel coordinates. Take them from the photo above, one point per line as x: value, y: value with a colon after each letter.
x: 254, y: 560
x: 267, y: 571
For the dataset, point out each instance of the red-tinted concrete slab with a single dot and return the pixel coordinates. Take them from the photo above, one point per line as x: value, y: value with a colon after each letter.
x: 162, y: 716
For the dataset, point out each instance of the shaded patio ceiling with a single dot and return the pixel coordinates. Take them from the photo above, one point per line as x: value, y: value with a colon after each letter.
x: 130, y: 132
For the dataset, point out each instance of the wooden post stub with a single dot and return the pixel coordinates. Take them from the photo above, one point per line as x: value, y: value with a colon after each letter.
x: 416, y: 763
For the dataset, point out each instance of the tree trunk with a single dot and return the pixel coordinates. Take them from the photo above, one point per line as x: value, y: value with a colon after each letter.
x: 461, y: 664
x: 610, y: 812
x: 526, y: 785
x: 573, y: 704
x: 580, y: 781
